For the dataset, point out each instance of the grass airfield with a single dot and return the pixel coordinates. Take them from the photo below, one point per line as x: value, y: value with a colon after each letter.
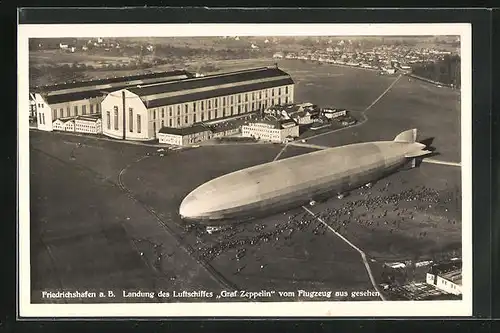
x: 107, y: 219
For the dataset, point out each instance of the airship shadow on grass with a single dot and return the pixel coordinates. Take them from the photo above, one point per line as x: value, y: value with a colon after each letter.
x: 292, y: 182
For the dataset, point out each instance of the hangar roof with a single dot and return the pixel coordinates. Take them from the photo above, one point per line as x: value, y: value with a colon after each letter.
x: 214, y: 93
x: 211, y: 86
x: 111, y: 80
x: 184, y: 131
x: 97, y: 88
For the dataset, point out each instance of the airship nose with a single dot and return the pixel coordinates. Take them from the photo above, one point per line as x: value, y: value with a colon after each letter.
x: 189, y: 208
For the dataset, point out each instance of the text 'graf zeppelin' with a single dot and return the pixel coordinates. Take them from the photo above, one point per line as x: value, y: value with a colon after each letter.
x: 203, y: 294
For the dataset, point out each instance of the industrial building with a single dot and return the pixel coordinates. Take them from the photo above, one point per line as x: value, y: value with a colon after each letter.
x: 333, y: 113
x: 446, y: 277
x: 140, y: 112
x: 84, y: 98
x: 90, y: 124
x: 271, y: 130
x: 183, y: 136
x: 302, y: 113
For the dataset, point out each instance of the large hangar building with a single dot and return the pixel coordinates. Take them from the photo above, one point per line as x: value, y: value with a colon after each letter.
x: 138, y: 113
x: 84, y: 98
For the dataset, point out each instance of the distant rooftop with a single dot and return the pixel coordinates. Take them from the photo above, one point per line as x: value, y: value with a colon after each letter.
x: 184, y: 131
x: 443, y: 268
x: 110, y: 80
x: 100, y: 88
x: 454, y: 276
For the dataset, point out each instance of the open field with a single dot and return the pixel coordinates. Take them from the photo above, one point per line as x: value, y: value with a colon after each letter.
x: 107, y: 219
x: 86, y: 233
x: 434, y: 111
x: 59, y: 57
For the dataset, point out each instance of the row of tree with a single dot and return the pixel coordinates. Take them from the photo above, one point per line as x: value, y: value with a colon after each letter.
x: 446, y: 71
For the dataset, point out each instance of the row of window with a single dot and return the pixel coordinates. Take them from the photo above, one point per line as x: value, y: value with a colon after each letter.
x: 211, y: 115
x: 41, y: 118
x: 214, y: 102
x: 262, y: 130
x: 94, y: 108
x: 131, y: 120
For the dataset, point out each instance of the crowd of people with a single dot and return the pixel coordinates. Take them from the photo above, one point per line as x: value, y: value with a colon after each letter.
x: 375, y: 211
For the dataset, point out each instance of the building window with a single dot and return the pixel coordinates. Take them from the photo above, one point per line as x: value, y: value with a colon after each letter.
x: 170, y: 111
x: 154, y: 114
x: 286, y: 90
x: 260, y: 94
x: 209, y: 104
x: 246, y: 107
x: 185, y: 108
x: 178, y: 110
x: 272, y: 92
x: 232, y: 110
x: 279, y: 101
x: 202, y: 105
x: 97, y: 108
x: 279, y: 91
x: 76, y: 110
x: 194, y: 118
x: 162, y: 112
x: 61, y: 113
x: 246, y: 97
x: 91, y: 108
x: 138, y: 123
x: 186, y: 119
x: 253, y: 95
x: 253, y: 106
x: 202, y: 117
x: 239, y: 98
x: 108, y: 114
x: 232, y: 99
x: 116, y: 118
x: 170, y: 122
x: 162, y: 123
x: 224, y: 101
x: 223, y: 112
x: 178, y: 121
x: 209, y: 115
x: 131, y: 119
x: 239, y: 109
x: 216, y: 102
x: 194, y: 106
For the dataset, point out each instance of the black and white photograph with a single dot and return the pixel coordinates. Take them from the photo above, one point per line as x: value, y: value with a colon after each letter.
x: 245, y: 170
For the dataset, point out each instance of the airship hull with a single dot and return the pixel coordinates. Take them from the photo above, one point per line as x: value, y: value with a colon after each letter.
x: 291, y: 182
x: 293, y: 198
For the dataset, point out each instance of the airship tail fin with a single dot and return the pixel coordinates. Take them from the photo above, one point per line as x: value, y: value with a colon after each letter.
x: 409, y: 136
x: 418, y: 153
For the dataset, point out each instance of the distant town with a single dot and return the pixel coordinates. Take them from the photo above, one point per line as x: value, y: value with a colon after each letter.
x: 139, y: 61
x: 435, y: 59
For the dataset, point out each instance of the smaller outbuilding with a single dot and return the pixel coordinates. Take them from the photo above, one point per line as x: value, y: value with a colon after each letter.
x: 184, y: 136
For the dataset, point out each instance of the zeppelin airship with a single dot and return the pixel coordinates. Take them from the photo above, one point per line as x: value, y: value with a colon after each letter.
x: 295, y: 181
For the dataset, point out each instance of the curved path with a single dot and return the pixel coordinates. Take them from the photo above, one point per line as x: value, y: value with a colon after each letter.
x: 186, y: 247
x: 365, y: 118
x: 363, y: 255
x: 363, y: 113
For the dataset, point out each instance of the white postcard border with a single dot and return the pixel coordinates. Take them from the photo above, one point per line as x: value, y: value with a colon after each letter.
x: 250, y: 309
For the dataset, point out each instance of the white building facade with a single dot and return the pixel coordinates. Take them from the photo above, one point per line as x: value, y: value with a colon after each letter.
x: 450, y: 282
x: 267, y: 131
x: 139, y: 113
x: 84, y: 98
